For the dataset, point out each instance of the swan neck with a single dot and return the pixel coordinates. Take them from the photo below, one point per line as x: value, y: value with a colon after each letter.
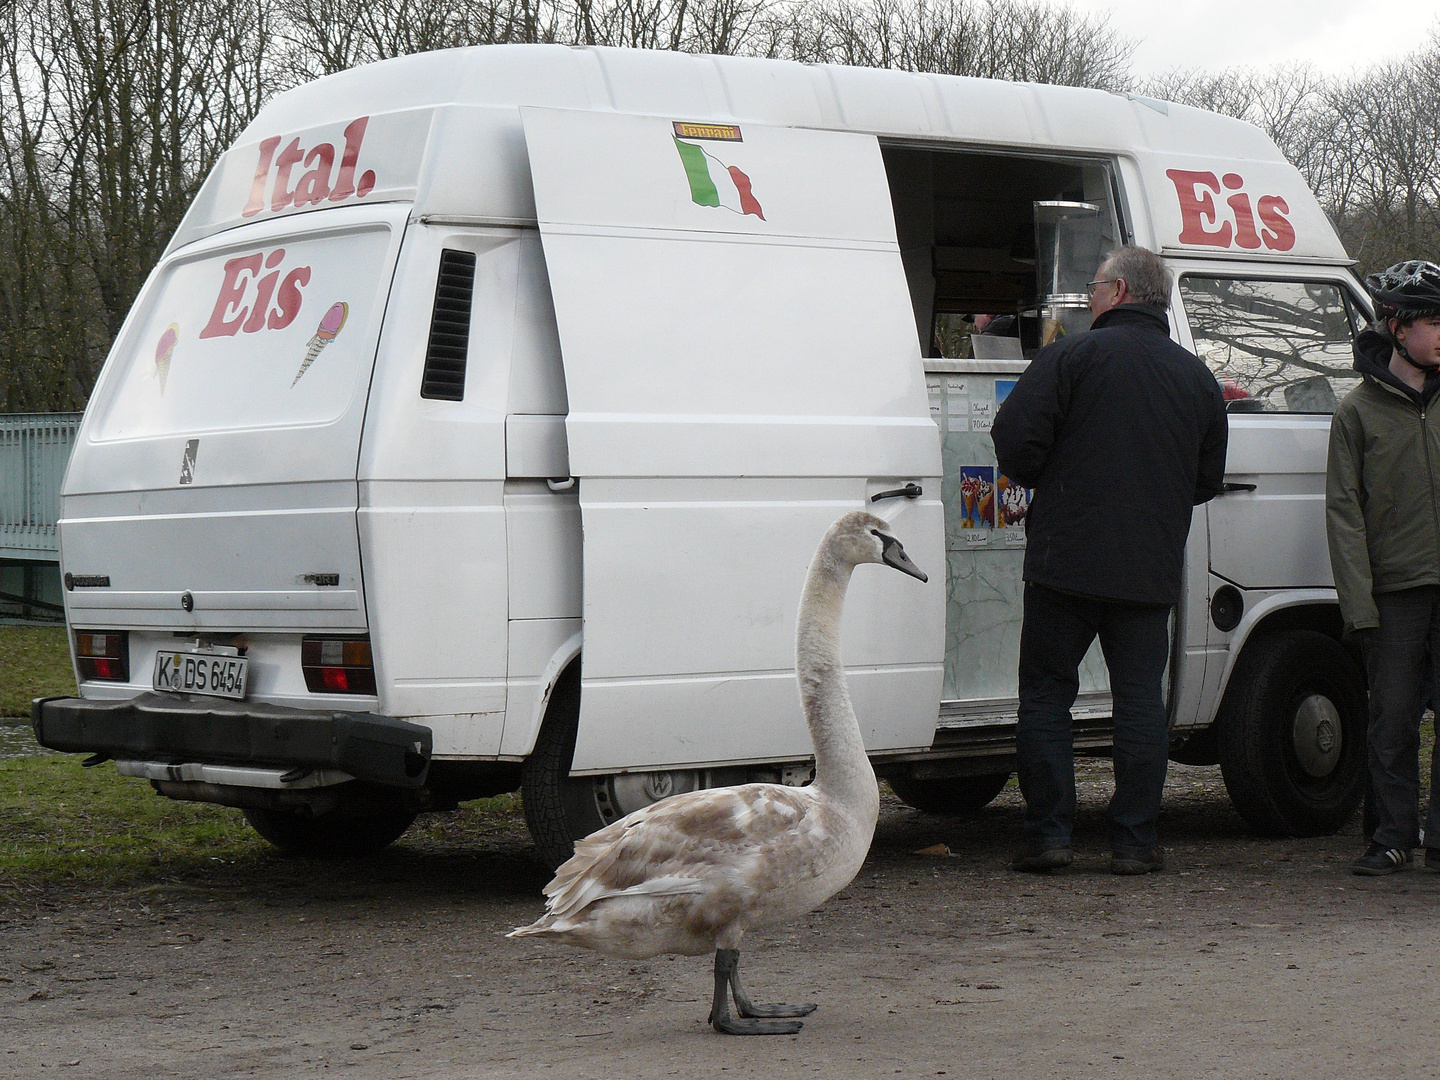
x: 842, y: 768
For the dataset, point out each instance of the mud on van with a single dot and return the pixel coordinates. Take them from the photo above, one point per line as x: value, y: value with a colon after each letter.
x: 477, y: 427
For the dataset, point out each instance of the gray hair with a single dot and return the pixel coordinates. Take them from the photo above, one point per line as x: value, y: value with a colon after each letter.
x: 1144, y: 272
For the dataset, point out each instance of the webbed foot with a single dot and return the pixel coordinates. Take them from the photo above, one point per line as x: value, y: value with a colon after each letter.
x: 749, y: 1008
x: 727, y: 982
x: 730, y: 1025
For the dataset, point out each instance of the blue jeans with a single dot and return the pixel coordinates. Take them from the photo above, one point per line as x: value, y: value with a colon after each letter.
x: 1054, y: 637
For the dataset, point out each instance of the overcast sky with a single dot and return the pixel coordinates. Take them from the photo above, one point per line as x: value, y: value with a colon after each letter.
x: 1335, y: 35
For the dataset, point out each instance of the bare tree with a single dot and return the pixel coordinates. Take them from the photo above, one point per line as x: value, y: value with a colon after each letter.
x: 137, y: 137
x: 991, y: 39
x: 328, y: 36
x: 1389, y: 119
x: 111, y: 115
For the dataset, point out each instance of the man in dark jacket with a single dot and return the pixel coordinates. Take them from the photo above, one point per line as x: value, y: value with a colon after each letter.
x: 1121, y: 432
x: 1382, y: 513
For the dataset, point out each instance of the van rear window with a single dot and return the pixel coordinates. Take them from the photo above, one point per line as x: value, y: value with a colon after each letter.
x: 1275, y: 346
x: 277, y: 334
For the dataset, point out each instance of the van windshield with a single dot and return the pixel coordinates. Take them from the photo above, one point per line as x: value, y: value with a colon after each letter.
x: 268, y: 335
x: 1275, y: 346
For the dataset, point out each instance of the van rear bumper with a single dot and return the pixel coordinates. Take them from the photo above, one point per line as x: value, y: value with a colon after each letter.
x: 163, y: 727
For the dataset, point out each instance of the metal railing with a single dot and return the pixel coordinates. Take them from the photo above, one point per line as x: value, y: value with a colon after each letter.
x: 34, y: 450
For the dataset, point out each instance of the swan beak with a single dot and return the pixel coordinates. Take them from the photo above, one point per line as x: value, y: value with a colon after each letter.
x: 895, y: 556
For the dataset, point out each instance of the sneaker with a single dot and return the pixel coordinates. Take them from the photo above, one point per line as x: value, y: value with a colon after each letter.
x: 1379, y: 860
x: 1037, y: 859
x: 1432, y: 858
x: 1137, y: 862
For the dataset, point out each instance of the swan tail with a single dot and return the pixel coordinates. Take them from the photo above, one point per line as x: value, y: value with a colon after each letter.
x: 542, y: 925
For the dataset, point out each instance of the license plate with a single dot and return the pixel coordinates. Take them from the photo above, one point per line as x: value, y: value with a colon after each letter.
x: 201, y: 673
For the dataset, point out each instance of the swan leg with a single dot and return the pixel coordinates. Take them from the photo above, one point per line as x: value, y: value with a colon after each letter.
x: 726, y: 980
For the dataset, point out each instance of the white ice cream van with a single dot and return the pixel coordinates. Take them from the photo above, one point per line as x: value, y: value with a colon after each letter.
x: 478, y: 425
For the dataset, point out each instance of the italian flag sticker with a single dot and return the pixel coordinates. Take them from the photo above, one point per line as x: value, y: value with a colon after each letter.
x: 713, y: 183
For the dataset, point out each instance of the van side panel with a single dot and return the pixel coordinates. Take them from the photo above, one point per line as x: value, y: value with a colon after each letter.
x: 718, y: 566
x: 1285, y: 456
x: 738, y: 377
x: 432, y: 501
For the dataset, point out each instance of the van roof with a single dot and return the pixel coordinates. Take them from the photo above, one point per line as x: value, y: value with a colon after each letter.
x: 475, y: 94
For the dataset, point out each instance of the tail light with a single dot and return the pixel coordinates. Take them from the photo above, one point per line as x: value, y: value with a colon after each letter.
x: 102, y: 654
x: 337, y: 665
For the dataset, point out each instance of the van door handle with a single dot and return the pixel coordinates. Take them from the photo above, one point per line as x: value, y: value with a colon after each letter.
x: 909, y: 491
x: 564, y: 483
x: 1229, y: 486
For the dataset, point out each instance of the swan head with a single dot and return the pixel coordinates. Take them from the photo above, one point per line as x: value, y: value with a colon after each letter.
x: 859, y: 537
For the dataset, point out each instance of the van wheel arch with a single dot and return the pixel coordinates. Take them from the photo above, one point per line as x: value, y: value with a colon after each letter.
x: 559, y: 809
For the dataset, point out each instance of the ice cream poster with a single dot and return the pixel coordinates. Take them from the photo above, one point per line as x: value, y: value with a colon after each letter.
x: 977, y: 496
x: 1012, y: 502
x: 1002, y: 390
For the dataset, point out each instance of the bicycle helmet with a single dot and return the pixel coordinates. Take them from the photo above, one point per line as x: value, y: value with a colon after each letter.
x: 1407, y: 288
x: 1410, y: 289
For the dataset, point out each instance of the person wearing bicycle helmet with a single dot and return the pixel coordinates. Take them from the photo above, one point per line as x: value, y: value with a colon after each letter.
x: 1382, y: 515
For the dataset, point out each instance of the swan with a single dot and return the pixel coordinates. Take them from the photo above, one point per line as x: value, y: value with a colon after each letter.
x: 694, y: 872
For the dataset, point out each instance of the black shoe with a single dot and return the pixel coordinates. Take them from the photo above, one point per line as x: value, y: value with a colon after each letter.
x: 1432, y: 858
x: 1036, y: 859
x: 1379, y: 860
x: 1137, y: 862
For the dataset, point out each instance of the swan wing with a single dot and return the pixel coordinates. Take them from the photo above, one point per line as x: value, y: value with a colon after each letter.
x: 691, y: 843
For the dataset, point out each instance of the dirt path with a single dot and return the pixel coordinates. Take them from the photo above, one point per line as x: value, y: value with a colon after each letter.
x: 1248, y: 958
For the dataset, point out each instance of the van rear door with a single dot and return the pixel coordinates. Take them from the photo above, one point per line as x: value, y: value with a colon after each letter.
x: 742, y: 367
x: 218, y: 455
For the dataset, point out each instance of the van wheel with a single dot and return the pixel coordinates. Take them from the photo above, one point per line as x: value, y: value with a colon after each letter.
x: 957, y: 796
x: 334, y: 835
x: 559, y: 810
x: 1292, y: 734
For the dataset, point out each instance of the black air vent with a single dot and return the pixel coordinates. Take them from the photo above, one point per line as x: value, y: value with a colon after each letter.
x: 450, y: 327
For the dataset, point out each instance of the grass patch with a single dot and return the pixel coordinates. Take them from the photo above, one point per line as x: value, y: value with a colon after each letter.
x: 60, y: 823
x: 34, y: 662
x: 65, y: 826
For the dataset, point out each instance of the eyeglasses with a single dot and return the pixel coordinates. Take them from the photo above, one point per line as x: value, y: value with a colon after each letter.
x: 1090, y: 286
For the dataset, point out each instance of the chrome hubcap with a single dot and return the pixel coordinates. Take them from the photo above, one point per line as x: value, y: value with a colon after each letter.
x: 1317, y: 735
x: 616, y: 796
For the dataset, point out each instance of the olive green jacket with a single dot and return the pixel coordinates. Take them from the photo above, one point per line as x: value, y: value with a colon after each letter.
x: 1382, y: 489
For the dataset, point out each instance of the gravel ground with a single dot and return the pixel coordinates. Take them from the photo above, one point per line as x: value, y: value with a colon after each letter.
x: 1247, y: 957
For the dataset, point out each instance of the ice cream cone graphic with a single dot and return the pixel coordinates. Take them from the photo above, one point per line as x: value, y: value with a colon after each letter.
x: 985, y: 506
x: 969, y: 493
x: 164, y: 349
x: 330, y: 326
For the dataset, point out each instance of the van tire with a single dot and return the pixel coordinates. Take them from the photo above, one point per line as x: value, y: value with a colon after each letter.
x: 954, y: 796
x: 558, y: 809
x: 1278, y: 737
x: 335, y: 835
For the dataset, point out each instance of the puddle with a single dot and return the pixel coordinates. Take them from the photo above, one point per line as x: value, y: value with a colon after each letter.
x: 17, y: 740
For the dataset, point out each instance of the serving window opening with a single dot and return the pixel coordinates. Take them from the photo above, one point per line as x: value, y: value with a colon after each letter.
x: 997, y: 250
x: 998, y: 247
